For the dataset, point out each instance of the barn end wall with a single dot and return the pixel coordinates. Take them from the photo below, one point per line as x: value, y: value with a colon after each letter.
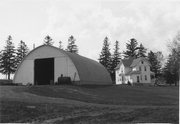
x: 62, y: 65
x: 25, y: 74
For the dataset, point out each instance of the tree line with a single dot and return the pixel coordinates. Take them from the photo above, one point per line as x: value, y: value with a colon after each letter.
x: 171, y: 70
x: 133, y: 49
x: 11, y: 57
x: 169, y: 73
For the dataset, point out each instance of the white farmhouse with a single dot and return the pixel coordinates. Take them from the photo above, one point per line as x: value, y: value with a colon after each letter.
x: 133, y: 71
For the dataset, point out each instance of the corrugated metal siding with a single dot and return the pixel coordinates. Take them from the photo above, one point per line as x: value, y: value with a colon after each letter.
x: 90, y: 71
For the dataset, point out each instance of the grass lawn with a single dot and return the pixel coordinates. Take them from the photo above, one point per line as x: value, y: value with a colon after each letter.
x: 120, y: 95
x: 89, y: 104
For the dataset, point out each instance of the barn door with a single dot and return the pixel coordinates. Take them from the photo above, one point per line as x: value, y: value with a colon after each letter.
x: 43, y: 71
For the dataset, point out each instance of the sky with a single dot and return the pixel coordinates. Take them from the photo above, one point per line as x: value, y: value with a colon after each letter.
x: 152, y: 22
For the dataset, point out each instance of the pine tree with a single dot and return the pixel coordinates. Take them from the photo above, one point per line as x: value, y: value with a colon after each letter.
x: 172, y: 66
x: 155, y: 64
x: 22, y: 51
x: 1, y: 55
x: 132, y: 47
x: 141, y: 51
x: 105, y: 56
x: 115, y: 59
x: 170, y: 70
x: 72, y: 47
x: 160, y: 56
x: 7, y: 60
x: 48, y: 40
x: 60, y: 45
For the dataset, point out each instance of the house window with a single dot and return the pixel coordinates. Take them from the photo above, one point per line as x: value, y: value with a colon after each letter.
x: 142, y: 62
x: 144, y: 68
x: 139, y: 68
x: 145, y: 78
x: 138, y: 79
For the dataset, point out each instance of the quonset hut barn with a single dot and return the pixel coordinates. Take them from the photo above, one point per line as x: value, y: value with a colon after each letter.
x: 45, y: 64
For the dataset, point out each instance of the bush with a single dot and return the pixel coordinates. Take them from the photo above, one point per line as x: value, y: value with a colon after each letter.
x: 138, y: 84
x: 129, y: 83
x: 6, y: 82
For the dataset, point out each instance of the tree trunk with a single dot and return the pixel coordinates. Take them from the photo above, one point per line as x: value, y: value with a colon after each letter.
x: 179, y: 72
x: 8, y: 76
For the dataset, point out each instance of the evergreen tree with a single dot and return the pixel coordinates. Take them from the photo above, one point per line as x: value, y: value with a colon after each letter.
x: 7, y: 60
x: 105, y: 56
x: 170, y: 70
x: 115, y: 60
x: 48, y: 40
x: 172, y: 66
x: 22, y: 51
x: 72, y: 47
x: 60, y: 45
x: 1, y: 54
x: 132, y: 47
x: 155, y: 64
x: 141, y: 51
x: 160, y: 56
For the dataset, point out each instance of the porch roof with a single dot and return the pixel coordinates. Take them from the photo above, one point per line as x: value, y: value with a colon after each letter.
x: 133, y: 73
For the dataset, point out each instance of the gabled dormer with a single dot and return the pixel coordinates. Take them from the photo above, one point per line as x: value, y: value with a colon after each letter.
x: 140, y: 64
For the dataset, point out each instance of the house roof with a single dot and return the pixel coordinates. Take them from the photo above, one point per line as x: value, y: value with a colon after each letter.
x: 118, y: 66
x: 125, y: 62
x: 133, y: 72
x: 131, y: 62
x: 136, y: 61
x: 128, y: 62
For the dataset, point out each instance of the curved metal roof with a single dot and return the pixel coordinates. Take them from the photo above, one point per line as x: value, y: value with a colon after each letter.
x: 90, y: 70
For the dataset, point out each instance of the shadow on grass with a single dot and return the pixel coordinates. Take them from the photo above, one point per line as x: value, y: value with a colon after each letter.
x: 23, y: 112
x: 145, y: 115
x: 12, y: 111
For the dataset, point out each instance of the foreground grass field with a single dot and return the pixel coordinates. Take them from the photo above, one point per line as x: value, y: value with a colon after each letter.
x: 89, y: 104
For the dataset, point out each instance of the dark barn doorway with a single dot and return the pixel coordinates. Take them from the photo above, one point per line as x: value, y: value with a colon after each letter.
x: 43, y: 71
